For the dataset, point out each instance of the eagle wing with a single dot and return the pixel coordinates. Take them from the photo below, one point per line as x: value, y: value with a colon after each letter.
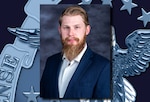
x: 130, y: 62
x: 138, y: 54
x: 30, y: 36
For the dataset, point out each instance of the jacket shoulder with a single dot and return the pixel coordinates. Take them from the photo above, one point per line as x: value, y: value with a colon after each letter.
x: 55, y: 56
x: 99, y: 57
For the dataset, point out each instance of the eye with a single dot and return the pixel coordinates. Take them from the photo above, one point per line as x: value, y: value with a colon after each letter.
x: 77, y: 27
x: 65, y: 27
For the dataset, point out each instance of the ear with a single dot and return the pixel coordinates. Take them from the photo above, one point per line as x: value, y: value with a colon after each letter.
x: 59, y: 29
x: 88, y: 28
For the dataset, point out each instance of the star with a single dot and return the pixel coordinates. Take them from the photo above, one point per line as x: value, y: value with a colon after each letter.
x: 85, y: 2
x: 145, y: 17
x: 31, y: 95
x: 128, y: 5
x: 107, y: 2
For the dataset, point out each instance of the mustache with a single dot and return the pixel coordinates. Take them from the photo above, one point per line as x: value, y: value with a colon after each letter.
x: 69, y: 38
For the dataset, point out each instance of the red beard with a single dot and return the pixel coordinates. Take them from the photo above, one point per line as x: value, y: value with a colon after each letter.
x: 71, y: 51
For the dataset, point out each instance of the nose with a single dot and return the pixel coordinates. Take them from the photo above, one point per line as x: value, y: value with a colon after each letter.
x: 71, y: 32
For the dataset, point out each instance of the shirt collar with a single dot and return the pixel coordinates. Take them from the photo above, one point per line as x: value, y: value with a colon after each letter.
x: 78, y: 58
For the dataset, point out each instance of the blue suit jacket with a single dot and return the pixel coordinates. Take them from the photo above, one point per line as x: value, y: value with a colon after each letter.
x: 92, y: 78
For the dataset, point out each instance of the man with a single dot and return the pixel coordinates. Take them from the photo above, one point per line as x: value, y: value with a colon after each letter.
x: 77, y: 71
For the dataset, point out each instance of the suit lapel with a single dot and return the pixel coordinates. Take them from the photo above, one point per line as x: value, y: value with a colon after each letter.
x: 58, y: 66
x: 82, y: 67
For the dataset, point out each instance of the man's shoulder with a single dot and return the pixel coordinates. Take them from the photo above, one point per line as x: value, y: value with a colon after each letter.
x: 95, y: 55
x: 55, y: 56
x: 99, y: 57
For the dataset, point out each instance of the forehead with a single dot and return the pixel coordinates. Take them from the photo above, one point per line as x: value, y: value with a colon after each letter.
x: 69, y: 19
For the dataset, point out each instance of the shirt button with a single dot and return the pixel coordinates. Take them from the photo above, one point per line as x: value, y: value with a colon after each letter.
x: 69, y: 64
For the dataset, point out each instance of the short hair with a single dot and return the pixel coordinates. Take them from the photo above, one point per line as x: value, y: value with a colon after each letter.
x: 73, y: 11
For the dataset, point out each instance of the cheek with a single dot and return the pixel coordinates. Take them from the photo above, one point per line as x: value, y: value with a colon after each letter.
x: 63, y: 34
x: 81, y: 35
x: 63, y: 37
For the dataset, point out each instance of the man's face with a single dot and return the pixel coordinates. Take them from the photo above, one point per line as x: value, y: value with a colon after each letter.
x: 73, y: 30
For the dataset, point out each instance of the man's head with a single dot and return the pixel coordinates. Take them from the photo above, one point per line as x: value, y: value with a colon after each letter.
x: 73, y: 11
x: 74, y: 27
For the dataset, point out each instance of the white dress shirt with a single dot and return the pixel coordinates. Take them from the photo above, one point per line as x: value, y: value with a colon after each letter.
x: 67, y: 70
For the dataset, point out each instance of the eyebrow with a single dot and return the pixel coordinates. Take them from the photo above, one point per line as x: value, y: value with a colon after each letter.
x: 73, y: 25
